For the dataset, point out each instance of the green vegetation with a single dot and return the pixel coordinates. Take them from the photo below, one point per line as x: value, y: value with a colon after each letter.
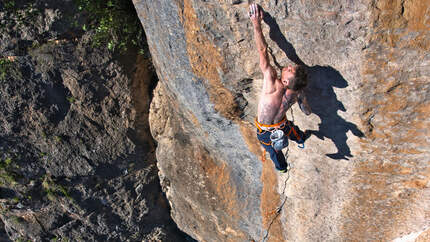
x: 9, y: 68
x: 22, y: 240
x: 7, y: 176
x: 9, y: 4
x: 17, y: 219
x: 58, y: 138
x: 115, y: 23
x: 8, y: 161
x: 5, y: 66
x: 71, y: 99
x: 54, y: 190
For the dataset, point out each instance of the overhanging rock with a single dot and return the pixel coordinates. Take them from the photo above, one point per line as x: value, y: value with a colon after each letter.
x: 364, y: 174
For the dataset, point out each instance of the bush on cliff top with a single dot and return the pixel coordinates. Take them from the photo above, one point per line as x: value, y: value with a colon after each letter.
x: 115, y: 23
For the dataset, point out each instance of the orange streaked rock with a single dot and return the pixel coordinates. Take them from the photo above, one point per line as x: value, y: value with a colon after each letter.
x: 206, y: 62
x: 270, y: 201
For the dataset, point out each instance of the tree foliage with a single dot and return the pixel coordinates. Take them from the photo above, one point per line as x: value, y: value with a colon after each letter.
x: 115, y: 23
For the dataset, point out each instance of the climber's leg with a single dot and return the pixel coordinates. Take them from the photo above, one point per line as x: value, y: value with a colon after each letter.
x: 277, y: 157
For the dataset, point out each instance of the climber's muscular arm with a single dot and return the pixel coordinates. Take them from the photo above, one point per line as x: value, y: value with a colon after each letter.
x: 256, y: 15
x: 303, y: 103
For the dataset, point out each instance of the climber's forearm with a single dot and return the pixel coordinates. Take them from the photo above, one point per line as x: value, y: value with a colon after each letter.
x: 303, y: 104
x: 262, y: 49
x: 259, y: 39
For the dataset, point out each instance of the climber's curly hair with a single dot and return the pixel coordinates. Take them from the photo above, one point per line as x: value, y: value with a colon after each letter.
x: 300, y: 79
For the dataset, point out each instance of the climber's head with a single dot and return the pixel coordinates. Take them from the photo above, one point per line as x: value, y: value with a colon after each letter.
x: 294, y: 77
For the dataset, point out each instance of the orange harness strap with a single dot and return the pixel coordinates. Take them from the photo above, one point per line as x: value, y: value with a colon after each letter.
x: 295, y: 132
x: 277, y: 125
x: 264, y: 143
x: 291, y: 130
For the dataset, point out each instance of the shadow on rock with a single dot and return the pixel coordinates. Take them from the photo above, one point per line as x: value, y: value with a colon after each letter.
x: 320, y: 95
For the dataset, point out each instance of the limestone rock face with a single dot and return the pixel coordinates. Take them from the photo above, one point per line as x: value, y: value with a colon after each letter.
x: 364, y: 173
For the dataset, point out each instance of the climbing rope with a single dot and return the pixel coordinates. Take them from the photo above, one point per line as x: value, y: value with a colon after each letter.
x: 278, y: 210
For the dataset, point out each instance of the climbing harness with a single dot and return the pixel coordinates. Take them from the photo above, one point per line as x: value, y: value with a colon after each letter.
x: 270, y: 127
x: 277, y: 134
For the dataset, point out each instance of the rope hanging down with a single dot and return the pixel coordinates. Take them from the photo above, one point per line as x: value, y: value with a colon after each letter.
x: 278, y: 210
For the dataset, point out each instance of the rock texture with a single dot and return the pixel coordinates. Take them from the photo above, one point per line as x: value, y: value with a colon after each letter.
x: 77, y: 162
x: 364, y: 174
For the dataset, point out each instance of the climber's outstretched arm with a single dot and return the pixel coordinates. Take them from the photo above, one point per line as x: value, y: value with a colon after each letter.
x: 256, y: 15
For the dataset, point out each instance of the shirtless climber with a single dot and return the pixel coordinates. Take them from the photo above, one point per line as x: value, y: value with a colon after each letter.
x: 277, y: 96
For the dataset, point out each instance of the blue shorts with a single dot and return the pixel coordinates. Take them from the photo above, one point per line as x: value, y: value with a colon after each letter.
x: 277, y: 156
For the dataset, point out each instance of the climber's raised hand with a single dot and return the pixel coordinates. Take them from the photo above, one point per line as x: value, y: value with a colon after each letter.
x: 255, y: 14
